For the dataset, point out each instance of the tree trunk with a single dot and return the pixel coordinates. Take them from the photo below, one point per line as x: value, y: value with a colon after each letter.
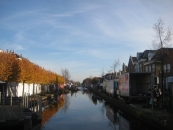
x: 33, y: 88
x: 23, y: 88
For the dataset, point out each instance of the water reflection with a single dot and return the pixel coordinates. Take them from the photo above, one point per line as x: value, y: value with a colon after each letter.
x: 52, y: 109
x: 94, y: 99
x: 122, y: 122
x: 66, y: 103
x: 85, y: 111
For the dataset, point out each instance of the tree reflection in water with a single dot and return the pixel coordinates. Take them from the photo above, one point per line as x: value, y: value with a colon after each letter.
x: 52, y: 109
x: 66, y: 103
x: 94, y: 99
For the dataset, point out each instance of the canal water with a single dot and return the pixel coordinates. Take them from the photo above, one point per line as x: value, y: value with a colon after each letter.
x: 85, y: 111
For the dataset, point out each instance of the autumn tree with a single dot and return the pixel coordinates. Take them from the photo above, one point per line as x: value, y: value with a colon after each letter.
x: 9, y: 67
x: 61, y: 79
x: 14, y: 68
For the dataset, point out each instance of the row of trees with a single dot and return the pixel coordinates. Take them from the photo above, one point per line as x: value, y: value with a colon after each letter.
x: 19, y: 69
x: 90, y: 80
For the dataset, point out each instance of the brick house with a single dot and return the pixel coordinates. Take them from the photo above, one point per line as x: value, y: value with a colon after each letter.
x: 131, y: 64
x: 153, y: 61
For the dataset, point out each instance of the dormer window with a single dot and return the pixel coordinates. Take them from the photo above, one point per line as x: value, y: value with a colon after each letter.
x: 149, y: 58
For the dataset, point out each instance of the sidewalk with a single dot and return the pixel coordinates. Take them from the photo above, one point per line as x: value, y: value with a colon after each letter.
x: 158, y: 113
x: 161, y: 114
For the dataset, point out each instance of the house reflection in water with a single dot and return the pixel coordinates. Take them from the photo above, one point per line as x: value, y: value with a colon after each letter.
x: 120, y: 123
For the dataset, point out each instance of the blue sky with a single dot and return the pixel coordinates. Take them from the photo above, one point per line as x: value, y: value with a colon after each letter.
x: 84, y: 36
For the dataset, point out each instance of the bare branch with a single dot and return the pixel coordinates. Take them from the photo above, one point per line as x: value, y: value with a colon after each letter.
x: 162, y: 39
x: 115, y: 65
x: 168, y: 36
x: 109, y: 71
x: 65, y: 73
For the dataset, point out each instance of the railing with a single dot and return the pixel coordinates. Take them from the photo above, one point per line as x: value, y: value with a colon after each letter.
x: 33, y: 102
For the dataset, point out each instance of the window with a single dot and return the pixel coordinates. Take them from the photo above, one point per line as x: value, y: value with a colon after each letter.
x: 149, y: 68
x: 146, y: 68
x: 136, y: 68
x: 168, y: 68
x: 153, y: 67
x: 140, y: 68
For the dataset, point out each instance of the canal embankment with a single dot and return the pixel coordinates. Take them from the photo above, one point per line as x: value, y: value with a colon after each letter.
x: 22, y: 112
x: 158, y: 119
x: 25, y: 113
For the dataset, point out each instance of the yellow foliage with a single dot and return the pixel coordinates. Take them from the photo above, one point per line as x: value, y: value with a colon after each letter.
x: 13, y: 69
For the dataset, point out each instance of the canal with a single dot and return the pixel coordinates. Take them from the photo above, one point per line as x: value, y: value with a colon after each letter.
x: 85, y: 111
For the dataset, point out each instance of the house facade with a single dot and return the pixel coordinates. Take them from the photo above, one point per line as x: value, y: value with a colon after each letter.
x: 131, y: 64
x: 160, y: 64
